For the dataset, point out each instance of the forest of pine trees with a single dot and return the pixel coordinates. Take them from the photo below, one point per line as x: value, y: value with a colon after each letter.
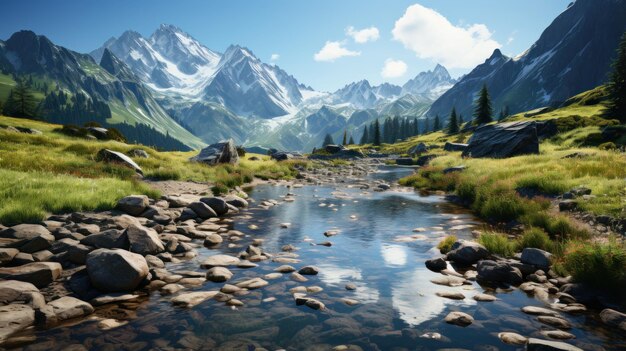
x: 616, y: 87
x: 391, y: 130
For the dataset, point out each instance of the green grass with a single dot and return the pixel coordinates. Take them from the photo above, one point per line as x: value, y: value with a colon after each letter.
x: 69, y: 160
x: 535, y: 238
x: 497, y: 243
x: 445, y: 245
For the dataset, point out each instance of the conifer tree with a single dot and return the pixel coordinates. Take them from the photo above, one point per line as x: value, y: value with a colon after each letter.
x: 345, y: 137
x: 616, y: 88
x: 483, y: 110
x: 376, y: 141
x: 351, y: 141
x: 21, y: 101
x: 365, y: 138
x: 328, y: 140
x: 437, y: 124
x: 416, y: 128
x: 453, y: 123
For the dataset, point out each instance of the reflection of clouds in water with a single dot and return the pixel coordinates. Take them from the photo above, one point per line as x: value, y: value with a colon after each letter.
x: 413, y: 296
x: 394, y: 255
x: 333, y: 275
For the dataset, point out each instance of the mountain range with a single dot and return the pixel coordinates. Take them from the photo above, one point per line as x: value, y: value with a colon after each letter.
x: 175, y: 85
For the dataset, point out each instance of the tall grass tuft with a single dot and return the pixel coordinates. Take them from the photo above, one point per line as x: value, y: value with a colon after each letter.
x: 497, y: 243
x: 597, y: 264
x: 445, y: 245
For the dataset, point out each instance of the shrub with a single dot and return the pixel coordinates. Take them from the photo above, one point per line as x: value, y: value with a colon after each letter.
x: 607, y: 146
x: 445, y: 245
x: 536, y: 238
x: 599, y: 265
x: 502, y: 208
x: 497, y: 243
x: 466, y: 191
x: 219, y: 189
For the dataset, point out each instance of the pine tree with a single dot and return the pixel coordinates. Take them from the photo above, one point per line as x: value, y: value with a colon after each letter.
x: 616, y: 87
x: 416, y: 128
x: 345, y: 138
x: 21, y: 101
x: 351, y: 141
x: 483, y: 110
x: 328, y: 140
x: 376, y: 140
x: 365, y: 138
x: 453, y: 123
x: 437, y: 124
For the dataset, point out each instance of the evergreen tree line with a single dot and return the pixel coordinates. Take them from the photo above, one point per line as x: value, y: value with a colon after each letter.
x: 392, y: 129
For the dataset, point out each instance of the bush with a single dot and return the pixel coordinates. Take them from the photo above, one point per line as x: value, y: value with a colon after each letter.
x: 535, y: 238
x: 599, y: 265
x: 445, y: 245
x: 502, y: 208
x: 497, y: 243
x: 607, y: 146
x: 219, y: 189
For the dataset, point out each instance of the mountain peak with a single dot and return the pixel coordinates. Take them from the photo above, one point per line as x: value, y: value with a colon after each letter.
x: 496, y: 54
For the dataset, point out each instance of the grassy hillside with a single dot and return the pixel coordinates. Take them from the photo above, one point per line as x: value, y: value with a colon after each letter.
x: 53, y: 172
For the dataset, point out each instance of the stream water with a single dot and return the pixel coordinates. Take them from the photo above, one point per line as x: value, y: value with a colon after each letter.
x: 376, y: 249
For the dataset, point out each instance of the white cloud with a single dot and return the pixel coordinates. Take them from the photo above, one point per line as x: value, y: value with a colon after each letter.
x: 333, y: 50
x: 275, y: 57
x: 431, y: 36
x: 393, y: 68
x: 363, y: 35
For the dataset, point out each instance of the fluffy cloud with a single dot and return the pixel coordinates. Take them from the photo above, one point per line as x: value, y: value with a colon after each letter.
x: 431, y: 36
x: 333, y: 50
x: 363, y: 35
x: 275, y: 57
x: 393, y: 68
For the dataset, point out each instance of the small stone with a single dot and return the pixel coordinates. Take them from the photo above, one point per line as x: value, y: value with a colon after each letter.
x: 459, y: 318
x: 485, y: 297
x: 558, y: 334
x: 451, y: 295
x: 218, y: 274
x: 285, y: 269
x: 555, y: 322
x: 350, y: 286
x: 193, y: 298
x: 309, y: 270
x: 512, y: 338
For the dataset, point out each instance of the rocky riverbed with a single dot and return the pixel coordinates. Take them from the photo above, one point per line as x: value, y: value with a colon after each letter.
x: 340, y: 258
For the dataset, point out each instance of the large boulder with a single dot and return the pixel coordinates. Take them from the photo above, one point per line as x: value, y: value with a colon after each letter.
x: 218, y: 204
x: 14, y: 318
x: 333, y: 149
x: 536, y: 257
x: 116, y: 270
x: 28, y: 238
x: 282, y: 156
x: 454, y: 146
x: 418, y: 149
x: 498, y: 272
x: 236, y: 201
x: 467, y: 252
x: 108, y: 239
x: 134, y: 205
x: 202, y: 210
x: 404, y: 161
x: 503, y: 140
x: 40, y: 274
x: 15, y: 291
x: 222, y: 152
x: 144, y: 241
x: 106, y: 155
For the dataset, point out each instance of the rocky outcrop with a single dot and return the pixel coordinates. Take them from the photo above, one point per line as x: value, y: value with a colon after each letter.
x: 467, y: 252
x: 26, y: 238
x: 134, y: 205
x: 222, y: 152
x: 503, y: 140
x: 454, y: 146
x: 418, y: 149
x: 116, y: 270
x: 106, y: 155
x: 39, y: 274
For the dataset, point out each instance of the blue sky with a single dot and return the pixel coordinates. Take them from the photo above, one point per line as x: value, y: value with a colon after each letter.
x: 404, y: 37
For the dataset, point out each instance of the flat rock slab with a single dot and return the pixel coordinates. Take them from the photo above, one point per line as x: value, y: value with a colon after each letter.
x: 485, y: 298
x: 546, y: 345
x: 448, y: 281
x: 558, y: 334
x: 220, y: 261
x: 451, y: 295
x: 512, y: 338
x: 69, y: 307
x: 556, y: 322
x: 253, y: 283
x: 539, y: 311
x: 14, y: 318
x: 39, y: 274
x: 113, y: 298
x: 193, y: 298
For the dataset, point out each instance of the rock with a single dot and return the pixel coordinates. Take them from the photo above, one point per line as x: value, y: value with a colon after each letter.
x: 499, y: 272
x: 106, y: 155
x: 116, y: 270
x: 436, y: 264
x: 220, y: 261
x: 404, y: 161
x: 454, y: 169
x: 545, y: 345
x: 112, y: 298
x: 108, y: 239
x: 110, y: 323
x: 556, y: 322
x: 567, y: 205
x: 512, y: 338
x: 170, y: 289
x: 218, y: 274
x: 212, y: 240
x: 14, y: 291
x: 218, y: 205
x: 202, y: 210
x: 503, y: 140
x: 236, y: 201
x: 459, y: 318
x: 539, y: 311
x: 222, y: 152
x: 253, y: 283
x: 350, y: 286
x: 285, y: 269
x: 29, y: 238
x: 281, y: 156
x: 558, y: 334
x: 139, y: 153
x: 485, y: 298
x: 467, y: 252
x: 309, y: 270
x: 312, y: 303
x: 144, y: 241
x: 613, y: 318
x: 580, y: 191
x: 448, y: 280
x: 193, y: 298
x: 418, y: 149
x: 78, y: 253
x: 537, y: 257
x: 13, y: 318
x: 134, y: 205
x: 69, y: 307
x: 451, y: 295
x: 454, y: 146
x: 424, y: 160
x: 6, y: 255
x: 39, y: 274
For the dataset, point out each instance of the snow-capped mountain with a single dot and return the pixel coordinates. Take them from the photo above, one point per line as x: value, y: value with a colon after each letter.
x: 430, y: 84
x: 572, y: 55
